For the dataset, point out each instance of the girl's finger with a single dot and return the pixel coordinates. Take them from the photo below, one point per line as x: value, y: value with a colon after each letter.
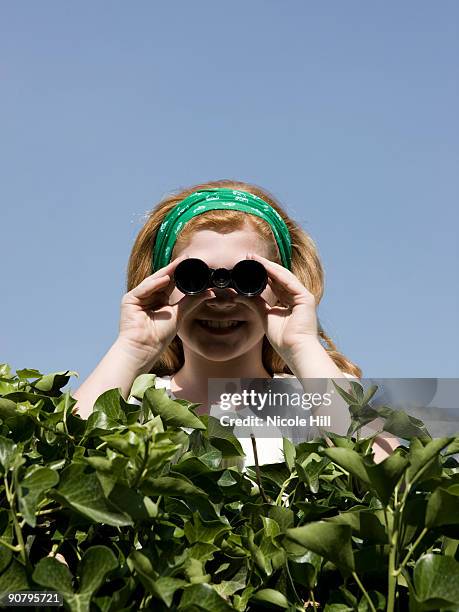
x: 149, y: 285
x: 282, y: 278
x: 169, y: 269
x: 279, y: 292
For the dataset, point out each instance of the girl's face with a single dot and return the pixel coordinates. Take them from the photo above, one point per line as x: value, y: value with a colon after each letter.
x: 221, y: 250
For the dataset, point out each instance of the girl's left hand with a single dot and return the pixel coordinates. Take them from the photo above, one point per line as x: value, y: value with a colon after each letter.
x: 286, y: 326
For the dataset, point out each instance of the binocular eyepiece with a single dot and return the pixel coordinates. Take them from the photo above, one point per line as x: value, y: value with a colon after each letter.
x: 193, y: 275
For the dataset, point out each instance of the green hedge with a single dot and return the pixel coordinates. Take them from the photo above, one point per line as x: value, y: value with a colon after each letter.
x: 126, y: 511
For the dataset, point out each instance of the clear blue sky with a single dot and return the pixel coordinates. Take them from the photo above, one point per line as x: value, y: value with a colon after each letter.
x: 346, y: 111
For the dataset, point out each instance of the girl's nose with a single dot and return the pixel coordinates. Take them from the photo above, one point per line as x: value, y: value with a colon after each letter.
x: 223, y: 300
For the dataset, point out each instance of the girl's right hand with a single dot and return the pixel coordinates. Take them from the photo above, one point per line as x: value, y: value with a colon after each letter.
x: 148, y: 323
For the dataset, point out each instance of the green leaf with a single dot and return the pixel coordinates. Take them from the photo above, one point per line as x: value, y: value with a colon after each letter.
x: 310, y: 469
x: 358, y: 390
x: 52, y: 383
x: 420, y: 456
x: 32, y: 489
x: 305, y: 568
x: 14, y: 578
x: 28, y: 373
x: 111, y: 403
x: 127, y: 442
x: 369, y: 393
x: 167, y: 485
x: 81, y: 490
x: 361, y: 415
x: 212, y: 459
x: 270, y: 527
x: 340, y: 441
x: 349, y: 399
x: 98, y: 423
x: 443, y: 507
x: 194, y: 571
x: 204, y: 531
x: 284, y: 517
x: 49, y: 572
x: 5, y: 370
x: 385, y: 475
x: 436, y: 580
x: 5, y: 557
x: 328, y: 540
x: 240, y: 602
x: 203, y: 551
x: 451, y: 547
x: 222, y: 437
x: 165, y: 588
x: 226, y: 479
x: 275, y: 472
x: 172, y: 413
x: 95, y: 564
x: 20, y: 425
x: 196, y: 466
x: 9, y: 453
x: 453, y: 448
x: 113, y: 466
x: 203, y: 597
x: 366, y: 524
x: 229, y: 587
x: 270, y: 596
x: 133, y: 504
x: 351, y: 461
x: 404, y: 426
x: 141, y: 384
x: 289, y: 453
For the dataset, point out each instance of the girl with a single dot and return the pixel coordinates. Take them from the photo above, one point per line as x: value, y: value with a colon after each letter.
x: 166, y: 332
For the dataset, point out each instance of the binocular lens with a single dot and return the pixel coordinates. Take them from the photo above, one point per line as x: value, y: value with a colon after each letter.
x: 248, y: 277
x: 192, y: 276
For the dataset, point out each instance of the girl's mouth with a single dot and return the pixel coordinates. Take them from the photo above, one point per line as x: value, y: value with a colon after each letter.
x: 220, y: 328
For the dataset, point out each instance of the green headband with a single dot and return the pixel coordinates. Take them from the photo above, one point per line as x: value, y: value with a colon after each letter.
x: 218, y: 199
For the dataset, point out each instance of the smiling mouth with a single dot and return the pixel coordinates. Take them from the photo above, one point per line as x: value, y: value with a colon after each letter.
x: 220, y: 327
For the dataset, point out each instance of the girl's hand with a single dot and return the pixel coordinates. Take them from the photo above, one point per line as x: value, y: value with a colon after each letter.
x: 288, y: 325
x: 148, y: 322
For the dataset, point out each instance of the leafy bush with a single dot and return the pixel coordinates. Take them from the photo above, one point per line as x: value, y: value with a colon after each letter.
x: 127, y: 511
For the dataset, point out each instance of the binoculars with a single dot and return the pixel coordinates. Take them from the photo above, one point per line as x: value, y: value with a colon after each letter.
x: 248, y: 277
